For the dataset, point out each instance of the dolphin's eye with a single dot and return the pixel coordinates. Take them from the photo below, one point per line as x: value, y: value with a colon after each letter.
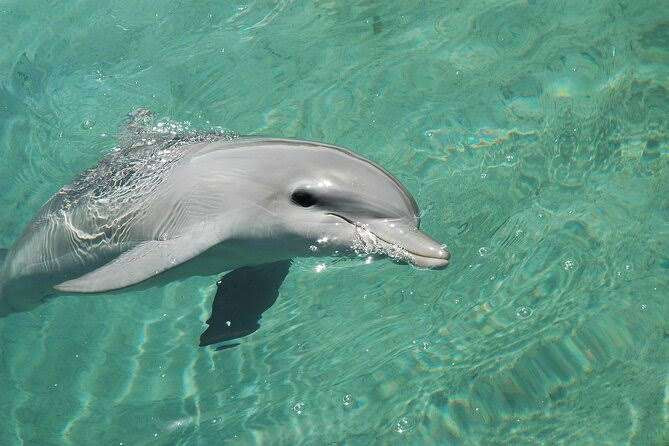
x: 303, y: 198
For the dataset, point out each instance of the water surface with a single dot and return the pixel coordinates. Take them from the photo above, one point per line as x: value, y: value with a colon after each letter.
x: 532, y: 133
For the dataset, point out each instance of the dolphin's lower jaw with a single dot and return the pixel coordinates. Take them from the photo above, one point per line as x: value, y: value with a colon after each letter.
x: 398, y: 240
x: 425, y: 262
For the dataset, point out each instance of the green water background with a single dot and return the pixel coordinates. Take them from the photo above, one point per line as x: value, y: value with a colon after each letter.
x: 534, y: 136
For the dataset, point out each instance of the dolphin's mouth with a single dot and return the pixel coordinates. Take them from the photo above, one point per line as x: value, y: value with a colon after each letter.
x: 399, y: 240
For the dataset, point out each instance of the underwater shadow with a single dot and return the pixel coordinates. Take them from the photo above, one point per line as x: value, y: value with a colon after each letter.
x: 242, y: 296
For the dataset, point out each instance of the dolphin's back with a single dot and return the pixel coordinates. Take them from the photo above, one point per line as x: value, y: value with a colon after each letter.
x: 99, y: 215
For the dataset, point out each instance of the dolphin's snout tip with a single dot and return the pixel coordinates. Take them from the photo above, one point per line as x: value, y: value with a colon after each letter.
x: 446, y: 256
x: 442, y: 261
x: 438, y: 258
x: 443, y: 253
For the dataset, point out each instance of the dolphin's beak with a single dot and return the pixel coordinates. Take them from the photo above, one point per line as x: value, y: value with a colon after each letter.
x: 409, y: 243
x: 400, y: 240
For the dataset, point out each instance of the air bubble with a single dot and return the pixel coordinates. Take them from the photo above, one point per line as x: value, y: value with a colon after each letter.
x: 483, y: 251
x: 313, y: 248
x: 298, y: 408
x: 569, y: 264
x: 524, y: 312
x: 348, y: 400
x: 403, y: 425
x: 87, y: 124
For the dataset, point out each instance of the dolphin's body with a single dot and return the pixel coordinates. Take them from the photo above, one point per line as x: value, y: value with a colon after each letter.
x: 169, y: 206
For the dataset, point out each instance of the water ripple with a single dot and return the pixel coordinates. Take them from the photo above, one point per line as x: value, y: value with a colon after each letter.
x: 534, y: 130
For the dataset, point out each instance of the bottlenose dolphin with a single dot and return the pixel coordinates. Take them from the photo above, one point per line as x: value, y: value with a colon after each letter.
x: 166, y: 206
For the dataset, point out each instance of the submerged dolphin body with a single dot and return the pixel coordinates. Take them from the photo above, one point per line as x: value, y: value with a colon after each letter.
x: 169, y: 206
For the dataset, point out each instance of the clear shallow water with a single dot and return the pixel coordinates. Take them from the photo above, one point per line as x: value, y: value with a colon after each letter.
x: 534, y: 136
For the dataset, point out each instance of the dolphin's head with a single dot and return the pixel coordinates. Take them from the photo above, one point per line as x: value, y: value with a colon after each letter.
x: 332, y: 200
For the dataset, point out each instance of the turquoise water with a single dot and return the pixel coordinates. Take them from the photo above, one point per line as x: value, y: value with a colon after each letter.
x: 534, y: 137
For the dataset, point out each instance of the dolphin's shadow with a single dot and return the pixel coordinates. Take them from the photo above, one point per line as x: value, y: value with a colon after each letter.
x: 242, y: 296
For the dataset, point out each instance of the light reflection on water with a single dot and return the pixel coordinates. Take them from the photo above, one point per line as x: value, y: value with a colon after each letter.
x: 533, y: 135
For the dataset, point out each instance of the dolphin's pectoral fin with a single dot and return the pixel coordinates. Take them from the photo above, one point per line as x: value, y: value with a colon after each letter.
x: 242, y: 296
x: 145, y: 260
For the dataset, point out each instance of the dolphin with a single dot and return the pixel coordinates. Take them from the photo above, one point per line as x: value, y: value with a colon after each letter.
x: 168, y: 205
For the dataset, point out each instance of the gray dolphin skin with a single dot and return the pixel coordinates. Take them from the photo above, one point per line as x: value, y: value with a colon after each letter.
x: 166, y: 206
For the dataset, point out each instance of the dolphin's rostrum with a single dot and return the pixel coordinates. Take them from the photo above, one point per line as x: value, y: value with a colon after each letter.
x: 169, y: 205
